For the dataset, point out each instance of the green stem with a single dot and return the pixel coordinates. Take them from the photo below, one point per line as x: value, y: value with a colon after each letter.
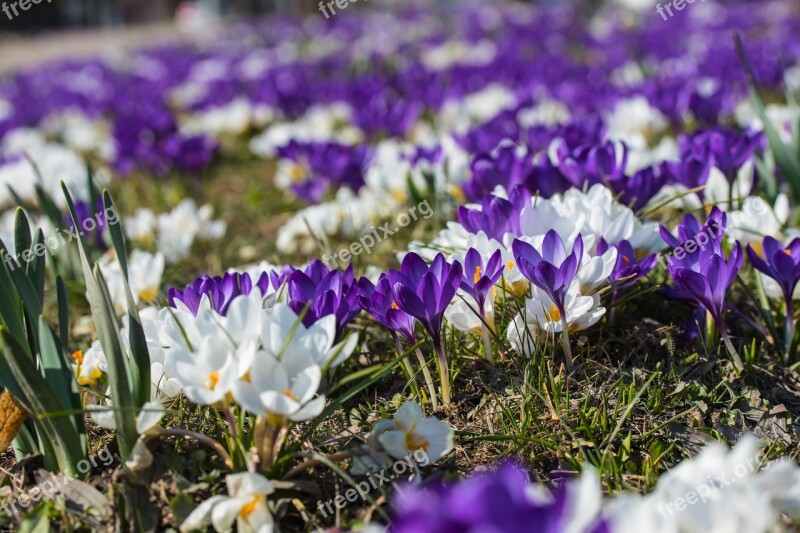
x: 428, y: 379
x: 565, y: 343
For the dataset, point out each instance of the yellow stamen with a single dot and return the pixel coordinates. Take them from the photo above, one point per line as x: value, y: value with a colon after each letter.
x: 416, y: 442
x: 787, y: 251
x: 477, y: 276
x: 246, y: 377
x: 213, y: 380
x: 78, y: 357
x: 250, y: 507
x: 510, y: 265
x: 297, y: 173
x: 555, y: 314
x: 148, y: 295
x: 395, y: 306
x: 289, y: 394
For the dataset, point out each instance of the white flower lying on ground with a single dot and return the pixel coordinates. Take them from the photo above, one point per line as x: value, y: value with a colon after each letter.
x: 144, y: 276
x: 411, y: 431
x: 246, y: 505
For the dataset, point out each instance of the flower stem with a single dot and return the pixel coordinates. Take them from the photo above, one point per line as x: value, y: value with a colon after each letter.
x: 789, y: 328
x: 407, y: 368
x: 199, y: 437
x: 487, y: 342
x: 565, y: 343
x: 428, y: 379
x: 444, y: 371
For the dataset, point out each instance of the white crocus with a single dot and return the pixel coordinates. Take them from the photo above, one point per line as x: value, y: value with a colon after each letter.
x: 410, y: 431
x: 90, y: 365
x: 285, y: 388
x: 209, y: 373
x: 541, y: 317
x: 178, y: 229
x: 595, y: 270
x: 246, y: 505
x: 757, y: 219
x: 285, y: 336
x: 144, y: 277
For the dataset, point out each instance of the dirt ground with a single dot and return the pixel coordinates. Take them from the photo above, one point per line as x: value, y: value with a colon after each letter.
x: 25, y: 51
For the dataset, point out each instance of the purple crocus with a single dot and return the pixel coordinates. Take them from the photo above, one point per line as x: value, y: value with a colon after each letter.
x: 219, y: 290
x: 424, y: 292
x: 478, y: 278
x: 627, y: 270
x: 379, y: 301
x: 782, y: 265
x: 490, y: 501
x: 496, y: 216
x: 323, y: 292
x: 552, y: 271
x: 703, y: 274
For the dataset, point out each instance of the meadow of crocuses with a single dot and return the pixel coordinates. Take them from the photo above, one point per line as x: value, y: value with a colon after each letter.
x: 487, y: 267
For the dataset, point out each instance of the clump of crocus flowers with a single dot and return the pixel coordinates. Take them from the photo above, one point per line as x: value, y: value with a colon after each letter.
x: 700, y: 269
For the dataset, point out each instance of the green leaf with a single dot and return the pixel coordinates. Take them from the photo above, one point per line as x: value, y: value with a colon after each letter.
x: 140, y: 375
x: 37, y: 267
x: 118, y: 366
x: 55, y: 426
x: 22, y: 233
x: 63, y: 312
x: 788, y: 162
x: 58, y: 373
x: 32, y: 305
x: 10, y: 303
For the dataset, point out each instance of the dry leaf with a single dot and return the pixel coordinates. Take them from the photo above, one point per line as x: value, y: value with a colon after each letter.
x: 12, y: 416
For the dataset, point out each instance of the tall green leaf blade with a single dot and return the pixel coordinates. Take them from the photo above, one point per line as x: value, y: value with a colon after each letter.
x: 10, y: 302
x: 44, y: 405
x: 58, y: 374
x: 118, y: 366
x: 136, y: 337
x: 63, y: 312
x: 788, y: 162
x: 37, y: 267
x: 22, y: 233
x: 31, y: 304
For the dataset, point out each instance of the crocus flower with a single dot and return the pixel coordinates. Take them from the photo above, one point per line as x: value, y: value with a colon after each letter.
x: 379, y: 301
x: 424, y: 292
x: 497, y: 216
x: 323, y: 292
x: 705, y: 277
x: 503, y: 500
x: 552, y: 271
x: 217, y: 292
x: 246, y: 505
x: 411, y: 432
x: 479, y: 278
x: 627, y: 269
x: 782, y: 265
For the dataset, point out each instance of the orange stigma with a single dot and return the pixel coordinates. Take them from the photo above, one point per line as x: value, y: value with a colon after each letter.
x: 477, y: 276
